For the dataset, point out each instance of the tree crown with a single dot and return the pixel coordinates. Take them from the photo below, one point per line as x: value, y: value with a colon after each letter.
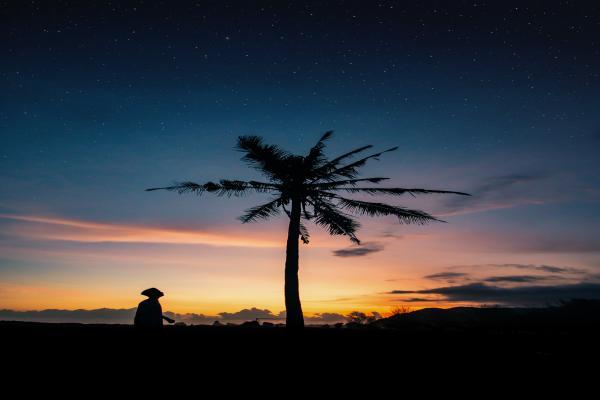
x: 316, y: 184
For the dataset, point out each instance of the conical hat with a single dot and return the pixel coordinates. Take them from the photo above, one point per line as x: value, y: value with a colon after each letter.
x: 153, y: 292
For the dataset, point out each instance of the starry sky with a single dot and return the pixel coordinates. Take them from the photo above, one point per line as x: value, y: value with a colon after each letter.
x: 100, y: 100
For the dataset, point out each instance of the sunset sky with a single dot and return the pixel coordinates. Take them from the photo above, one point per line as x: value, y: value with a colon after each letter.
x: 100, y: 101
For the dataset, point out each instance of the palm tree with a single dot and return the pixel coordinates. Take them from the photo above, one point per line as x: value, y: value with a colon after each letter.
x: 309, y: 187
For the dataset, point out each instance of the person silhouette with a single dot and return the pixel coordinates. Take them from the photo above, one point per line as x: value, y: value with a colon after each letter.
x: 149, y: 312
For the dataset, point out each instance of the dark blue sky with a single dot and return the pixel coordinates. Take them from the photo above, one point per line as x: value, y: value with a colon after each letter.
x: 102, y: 100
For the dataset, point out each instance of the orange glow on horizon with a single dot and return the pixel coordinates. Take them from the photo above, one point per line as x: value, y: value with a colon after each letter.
x: 64, y: 264
x: 31, y: 298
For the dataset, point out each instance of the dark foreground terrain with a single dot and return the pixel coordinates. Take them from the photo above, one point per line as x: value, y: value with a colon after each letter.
x: 427, y: 340
x: 326, y: 348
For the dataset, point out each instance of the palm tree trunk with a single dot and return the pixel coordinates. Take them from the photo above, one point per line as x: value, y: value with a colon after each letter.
x: 294, y: 318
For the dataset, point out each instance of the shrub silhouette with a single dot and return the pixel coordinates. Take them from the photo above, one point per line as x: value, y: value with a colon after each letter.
x: 360, y: 318
x: 399, y: 310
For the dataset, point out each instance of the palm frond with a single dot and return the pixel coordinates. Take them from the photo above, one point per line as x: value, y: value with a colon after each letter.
x: 351, y: 170
x: 308, y: 216
x: 185, y: 187
x: 333, y: 164
x: 238, y: 188
x: 336, y: 223
x: 393, y: 191
x: 268, y: 159
x: 304, y: 235
x: 315, y: 155
x: 264, y: 211
x: 223, y: 188
x: 351, y: 182
x: 404, y: 215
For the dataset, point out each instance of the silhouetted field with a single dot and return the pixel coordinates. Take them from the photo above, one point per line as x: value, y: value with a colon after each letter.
x: 477, y: 336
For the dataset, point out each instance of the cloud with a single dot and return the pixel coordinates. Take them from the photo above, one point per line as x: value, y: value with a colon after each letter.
x: 359, y: 251
x: 446, y: 276
x: 520, y: 295
x: 556, y: 270
x: 516, y: 279
x: 418, y: 300
x: 389, y: 234
x: 523, y: 241
x: 57, y: 228
x: 555, y: 244
x: 325, y: 318
x: 544, y: 268
x: 192, y: 318
x: 552, y: 269
x: 497, y: 192
x: 249, y: 314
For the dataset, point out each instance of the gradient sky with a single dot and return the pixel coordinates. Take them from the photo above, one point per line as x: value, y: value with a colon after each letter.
x: 100, y: 101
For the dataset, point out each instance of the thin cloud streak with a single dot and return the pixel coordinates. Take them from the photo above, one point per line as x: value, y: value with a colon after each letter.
x: 53, y: 228
x: 552, y: 269
x: 520, y: 279
x: 498, y: 192
x: 446, y: 276
x: 359, y: 251
x: 520, y: 295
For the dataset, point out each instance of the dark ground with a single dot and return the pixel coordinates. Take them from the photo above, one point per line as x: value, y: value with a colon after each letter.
x: 206, y: 361
x: 419, y: 344
x: 500, y: 343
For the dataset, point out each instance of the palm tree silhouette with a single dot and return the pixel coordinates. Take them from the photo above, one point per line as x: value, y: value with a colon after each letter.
x: 308, y: 187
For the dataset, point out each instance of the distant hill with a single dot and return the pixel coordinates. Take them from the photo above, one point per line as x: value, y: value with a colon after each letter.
x: 574, y: 312
x: 97, y: 316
